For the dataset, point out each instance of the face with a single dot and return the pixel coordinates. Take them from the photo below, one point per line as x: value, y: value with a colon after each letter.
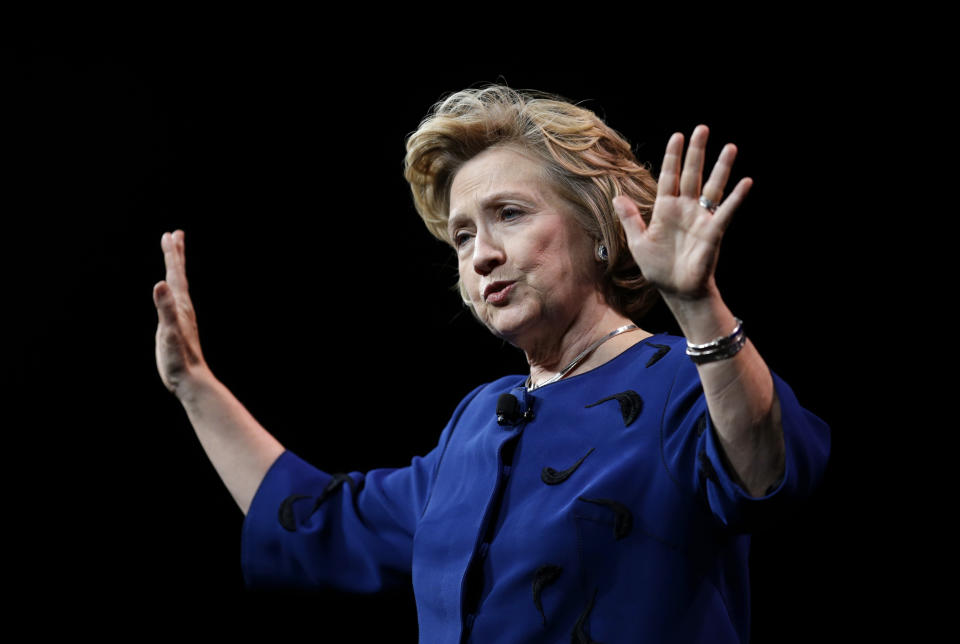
x: 526, y: 265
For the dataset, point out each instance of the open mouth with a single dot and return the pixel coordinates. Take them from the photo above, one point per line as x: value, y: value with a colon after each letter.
x: 498, y: 291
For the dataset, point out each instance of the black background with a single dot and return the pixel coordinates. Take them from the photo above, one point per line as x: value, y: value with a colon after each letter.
x: 328, y: 309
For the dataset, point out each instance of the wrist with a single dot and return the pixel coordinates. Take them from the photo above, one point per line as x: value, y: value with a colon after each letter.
x: 193, y: 385
x: 702, y: 319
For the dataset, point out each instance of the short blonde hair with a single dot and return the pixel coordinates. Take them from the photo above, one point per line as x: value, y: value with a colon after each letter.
x: 588, y: 162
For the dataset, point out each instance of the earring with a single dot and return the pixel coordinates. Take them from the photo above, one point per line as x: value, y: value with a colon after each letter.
x: 602, y: 254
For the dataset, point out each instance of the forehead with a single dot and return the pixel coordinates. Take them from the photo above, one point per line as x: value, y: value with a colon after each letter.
x: 494, y: 171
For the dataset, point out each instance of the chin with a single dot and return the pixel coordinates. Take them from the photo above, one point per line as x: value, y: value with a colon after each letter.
x: 509, y: 327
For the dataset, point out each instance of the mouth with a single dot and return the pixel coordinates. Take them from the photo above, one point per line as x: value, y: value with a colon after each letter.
x: 497, y: 292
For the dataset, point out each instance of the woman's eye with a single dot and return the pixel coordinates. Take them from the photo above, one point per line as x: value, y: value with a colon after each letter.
x: 510, y: 213
x: 461, y: 238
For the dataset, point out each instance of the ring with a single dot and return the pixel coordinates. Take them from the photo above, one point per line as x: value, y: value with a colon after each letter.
x: 709, y: 204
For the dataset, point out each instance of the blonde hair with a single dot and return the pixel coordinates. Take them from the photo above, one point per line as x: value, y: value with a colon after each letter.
x: 588, y: 162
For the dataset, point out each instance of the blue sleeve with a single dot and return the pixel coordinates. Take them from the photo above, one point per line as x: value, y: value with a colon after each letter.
x: 306, y: 528
x: 694, y: 454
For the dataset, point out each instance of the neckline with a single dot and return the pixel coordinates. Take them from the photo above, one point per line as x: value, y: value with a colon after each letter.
x: 574, y: 377
x: 583, y: 356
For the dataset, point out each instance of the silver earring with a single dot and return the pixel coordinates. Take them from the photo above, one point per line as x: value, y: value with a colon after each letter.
x: 602, y: 254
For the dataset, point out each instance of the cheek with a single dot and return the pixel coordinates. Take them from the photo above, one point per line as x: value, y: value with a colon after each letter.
x: 467, y: 276
x: 570, y: 273
x: 543, y: 253
x: 557, y: 262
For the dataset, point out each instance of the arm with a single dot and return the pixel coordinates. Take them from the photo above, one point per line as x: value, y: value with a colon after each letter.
x: 240, y: 449
x: 309, y: 529
x: 678, y: 252
x: 740, y: 396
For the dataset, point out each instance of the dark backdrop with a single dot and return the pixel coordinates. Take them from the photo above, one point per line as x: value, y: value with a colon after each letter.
x: 324, y: 304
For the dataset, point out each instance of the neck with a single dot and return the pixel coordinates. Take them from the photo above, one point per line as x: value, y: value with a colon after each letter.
x: 551, y: 355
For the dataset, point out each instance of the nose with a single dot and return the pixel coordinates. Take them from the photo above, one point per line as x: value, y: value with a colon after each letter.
x: 487, y: 253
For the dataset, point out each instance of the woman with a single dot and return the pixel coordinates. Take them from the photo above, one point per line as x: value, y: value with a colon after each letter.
x: 603, y: 496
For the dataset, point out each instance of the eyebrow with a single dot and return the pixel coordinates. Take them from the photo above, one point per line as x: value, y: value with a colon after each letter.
x: 488, y: 201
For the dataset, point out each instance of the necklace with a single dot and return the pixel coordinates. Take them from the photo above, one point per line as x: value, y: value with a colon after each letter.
x: 583, y: 354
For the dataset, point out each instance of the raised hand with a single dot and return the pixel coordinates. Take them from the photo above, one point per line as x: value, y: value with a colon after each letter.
x: 678, y: 250
x: 178, y: 342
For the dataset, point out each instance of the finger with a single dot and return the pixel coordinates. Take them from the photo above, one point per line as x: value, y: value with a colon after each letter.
x: 165, y: 302
x: 170, y: 259
x: 178, y: 237
x: 669, y: 181
x: 713, y: 188
x: 693, y: 165
x: 724, y: 213
x: 173, y: 258
x: 630, y: 218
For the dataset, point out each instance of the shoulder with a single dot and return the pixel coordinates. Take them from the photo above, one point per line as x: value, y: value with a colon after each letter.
x: 657, y: 364
x: 660, y: 349
x: 665, y: 360
x: 670, y: 349
x: 494, y: 389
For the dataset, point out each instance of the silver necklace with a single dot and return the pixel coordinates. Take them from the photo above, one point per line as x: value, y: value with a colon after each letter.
x: 583, y: 354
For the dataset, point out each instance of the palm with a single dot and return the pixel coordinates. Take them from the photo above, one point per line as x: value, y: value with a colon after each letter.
x: 177, y: 340
x: 677, y: 251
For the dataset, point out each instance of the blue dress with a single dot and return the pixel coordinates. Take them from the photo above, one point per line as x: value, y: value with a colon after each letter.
x: 602, y: 512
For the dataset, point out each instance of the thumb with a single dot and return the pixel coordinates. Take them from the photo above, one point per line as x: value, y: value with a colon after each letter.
x: 164, y: 301
x: 629, y: 214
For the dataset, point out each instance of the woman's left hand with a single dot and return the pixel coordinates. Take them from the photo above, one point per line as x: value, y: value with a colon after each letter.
x: 677, y: 252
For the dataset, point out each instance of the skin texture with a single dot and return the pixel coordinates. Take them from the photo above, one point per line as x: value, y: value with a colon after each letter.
x: 509, y: 226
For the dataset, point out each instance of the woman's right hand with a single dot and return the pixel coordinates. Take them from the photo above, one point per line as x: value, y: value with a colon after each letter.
x: 240, y: 449
x: 179, y: 358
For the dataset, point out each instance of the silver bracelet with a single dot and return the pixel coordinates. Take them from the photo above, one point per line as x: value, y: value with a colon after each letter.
x: 720, y: 349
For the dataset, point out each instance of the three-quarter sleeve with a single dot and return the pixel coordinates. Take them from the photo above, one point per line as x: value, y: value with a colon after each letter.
x: 307, y: 528
x: 695, y: 457
x: 807, y: 448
